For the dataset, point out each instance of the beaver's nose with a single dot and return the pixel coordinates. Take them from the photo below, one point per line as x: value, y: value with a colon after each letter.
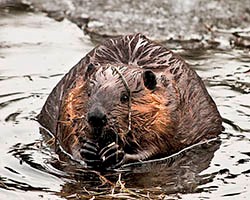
x: 97, y: 118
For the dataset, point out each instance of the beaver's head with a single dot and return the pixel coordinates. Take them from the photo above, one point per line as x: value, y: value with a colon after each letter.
x: 127, y: 105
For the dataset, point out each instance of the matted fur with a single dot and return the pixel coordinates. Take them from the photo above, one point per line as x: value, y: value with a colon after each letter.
x: 177, y: 113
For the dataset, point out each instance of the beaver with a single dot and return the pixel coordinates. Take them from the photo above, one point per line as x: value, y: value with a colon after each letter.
x: 129, y: 99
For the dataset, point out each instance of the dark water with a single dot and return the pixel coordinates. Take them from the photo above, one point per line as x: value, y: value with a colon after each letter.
x: 36, y: 51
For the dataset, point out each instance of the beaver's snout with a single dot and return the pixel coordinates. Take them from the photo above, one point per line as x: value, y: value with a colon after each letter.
x: 97, y: 117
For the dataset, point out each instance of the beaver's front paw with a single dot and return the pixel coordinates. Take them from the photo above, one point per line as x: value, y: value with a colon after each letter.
x: 89, y: 153
x: 111, y: 156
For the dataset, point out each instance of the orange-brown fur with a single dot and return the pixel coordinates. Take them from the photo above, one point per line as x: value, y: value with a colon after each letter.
x: 72, y: 118
x: 154, y: 121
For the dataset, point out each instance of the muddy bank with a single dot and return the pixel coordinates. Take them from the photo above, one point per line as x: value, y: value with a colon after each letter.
x: 189, y: 24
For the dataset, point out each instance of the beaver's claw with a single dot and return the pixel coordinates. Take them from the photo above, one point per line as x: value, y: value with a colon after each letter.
x: 89, y: 153
x: 111, y: 156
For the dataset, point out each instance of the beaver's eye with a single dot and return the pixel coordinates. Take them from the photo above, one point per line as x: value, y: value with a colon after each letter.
x: 89, y: 93
x: 124, y: 98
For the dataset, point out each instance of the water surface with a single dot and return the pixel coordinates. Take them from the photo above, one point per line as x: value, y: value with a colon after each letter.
x: 35, y: 52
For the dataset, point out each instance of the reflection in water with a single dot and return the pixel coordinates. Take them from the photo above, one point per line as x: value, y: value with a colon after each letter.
x: 32, y: 64
x: 179, y: 173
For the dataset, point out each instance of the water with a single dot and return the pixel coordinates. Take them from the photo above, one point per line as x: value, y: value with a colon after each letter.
x: 36, y: 51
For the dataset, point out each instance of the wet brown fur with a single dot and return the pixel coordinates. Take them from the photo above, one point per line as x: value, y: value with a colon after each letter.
x: 178, y: 113
x: 71, y: 121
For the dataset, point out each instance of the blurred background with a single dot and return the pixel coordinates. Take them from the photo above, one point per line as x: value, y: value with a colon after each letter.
x: 203, y: 23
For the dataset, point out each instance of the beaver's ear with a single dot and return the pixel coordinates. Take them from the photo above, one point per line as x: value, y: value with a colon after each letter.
x: 149, y: 79
x: 90, y: 69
